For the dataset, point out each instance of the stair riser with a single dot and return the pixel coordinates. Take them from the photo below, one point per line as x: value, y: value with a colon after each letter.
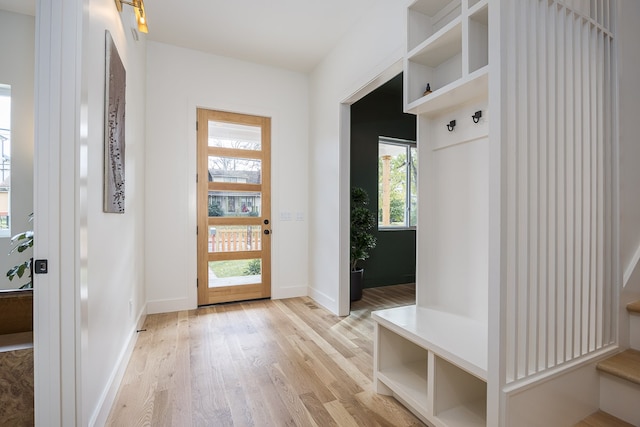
x: 620, y: 398
x: 634, y: 331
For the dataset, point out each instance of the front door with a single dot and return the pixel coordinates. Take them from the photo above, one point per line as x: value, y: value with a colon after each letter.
x: 234, y: 207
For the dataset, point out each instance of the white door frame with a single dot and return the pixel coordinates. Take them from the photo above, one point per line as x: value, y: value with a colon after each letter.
x: 57, y: 134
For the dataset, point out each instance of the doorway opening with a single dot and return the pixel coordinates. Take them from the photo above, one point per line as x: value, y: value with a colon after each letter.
x: 363, y: 125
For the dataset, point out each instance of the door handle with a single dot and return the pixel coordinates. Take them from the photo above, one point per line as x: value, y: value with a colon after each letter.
x: 267, y: 231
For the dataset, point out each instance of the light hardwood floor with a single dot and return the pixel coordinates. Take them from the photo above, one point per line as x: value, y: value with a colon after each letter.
x: 261, y: 363
x: 602, y: 419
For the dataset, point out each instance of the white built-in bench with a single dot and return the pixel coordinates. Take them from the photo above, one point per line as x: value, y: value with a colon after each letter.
x: 434, y: 362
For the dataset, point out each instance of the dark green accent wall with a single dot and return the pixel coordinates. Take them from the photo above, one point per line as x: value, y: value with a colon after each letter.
x: 393, y: 261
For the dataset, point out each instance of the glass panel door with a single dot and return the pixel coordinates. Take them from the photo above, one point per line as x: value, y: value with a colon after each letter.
x: 234, y: 259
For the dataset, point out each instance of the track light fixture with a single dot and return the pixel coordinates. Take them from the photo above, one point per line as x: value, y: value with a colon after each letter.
x: 141, y: 17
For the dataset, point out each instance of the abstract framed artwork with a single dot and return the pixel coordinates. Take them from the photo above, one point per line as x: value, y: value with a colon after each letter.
x: 114, y: 120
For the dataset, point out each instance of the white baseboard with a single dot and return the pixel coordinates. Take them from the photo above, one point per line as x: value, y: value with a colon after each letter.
x: 169, y: 305
x: 103, y: 408
x: 324, y: 300
x: 292, y: 292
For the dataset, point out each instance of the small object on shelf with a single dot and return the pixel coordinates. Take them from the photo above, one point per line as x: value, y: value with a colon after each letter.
x: 451, y: 125
x: 476, y: 116
x: 427, y: 90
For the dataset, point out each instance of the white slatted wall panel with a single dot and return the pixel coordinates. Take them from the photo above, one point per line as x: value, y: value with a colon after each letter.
x: 560, y: 280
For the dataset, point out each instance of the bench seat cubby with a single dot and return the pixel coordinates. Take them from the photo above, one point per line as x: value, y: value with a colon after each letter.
x: 420, y: 359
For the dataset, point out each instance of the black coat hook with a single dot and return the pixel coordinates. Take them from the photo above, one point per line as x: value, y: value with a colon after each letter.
x: 451, y: 125
x: 476, y: 116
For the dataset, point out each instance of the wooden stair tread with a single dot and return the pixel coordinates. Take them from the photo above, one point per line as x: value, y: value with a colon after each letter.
x: 625, y: 365
x: 602, y: 419
x: 634, y: 307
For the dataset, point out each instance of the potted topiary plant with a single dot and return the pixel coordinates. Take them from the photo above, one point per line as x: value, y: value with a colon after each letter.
x: 362, y: 241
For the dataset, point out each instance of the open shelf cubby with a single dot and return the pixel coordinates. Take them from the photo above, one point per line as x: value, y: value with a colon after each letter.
x: 479, y: 38
x: 448, y: 50
x: 437, y: 61
x: 426, y: 17
x: 460, y: 398
x: 460, y: 91
x: 403, y: 368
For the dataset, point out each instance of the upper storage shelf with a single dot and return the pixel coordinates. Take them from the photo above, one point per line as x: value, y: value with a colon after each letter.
x: 478, y: 36
x: 425, y: 18
x: 473, y: 87
x: 447, y: 50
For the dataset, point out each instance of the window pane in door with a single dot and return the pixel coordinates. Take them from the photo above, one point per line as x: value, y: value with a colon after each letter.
x: 235, y: 272
x: 233, y: 135
x: 235, y: 238
x: 234, y: 203
x: 234, y: 170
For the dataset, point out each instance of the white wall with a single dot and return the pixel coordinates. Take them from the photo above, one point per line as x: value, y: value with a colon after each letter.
x: 111, y: 245
x: 453, y: 211
x: 629, y: 92
x: 629, y: 97
x: 179, y: 81
x: 17, y: 52
x: 372, y: 46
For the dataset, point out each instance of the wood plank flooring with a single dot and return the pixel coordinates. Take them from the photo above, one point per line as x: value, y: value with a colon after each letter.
x: 261, y: 363
x: 602, y: 419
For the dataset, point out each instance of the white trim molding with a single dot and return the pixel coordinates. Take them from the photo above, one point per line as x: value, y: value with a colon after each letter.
x: 56, y: 294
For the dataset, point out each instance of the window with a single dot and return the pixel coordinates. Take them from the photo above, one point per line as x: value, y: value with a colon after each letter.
x: 397, y: 183
x: 5, y: 158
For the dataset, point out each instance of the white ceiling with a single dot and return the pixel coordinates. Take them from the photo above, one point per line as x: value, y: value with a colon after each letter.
x: 291, y: 34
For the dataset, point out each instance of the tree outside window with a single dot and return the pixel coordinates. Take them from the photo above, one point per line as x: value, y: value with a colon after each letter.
x: 397, y: 183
